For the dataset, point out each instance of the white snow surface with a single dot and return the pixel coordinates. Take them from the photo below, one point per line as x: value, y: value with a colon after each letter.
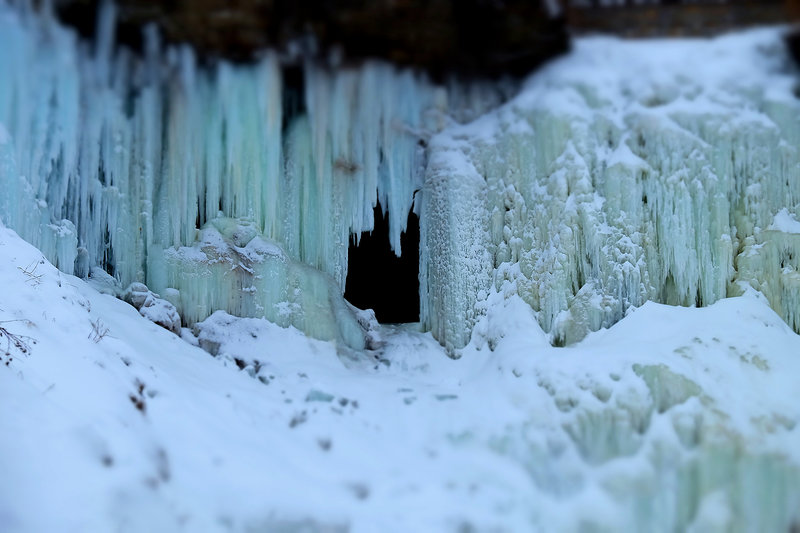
x: 674, y: 418
x: 785, y: 222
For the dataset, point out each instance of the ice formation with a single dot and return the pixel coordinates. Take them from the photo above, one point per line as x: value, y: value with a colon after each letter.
x: 625, y: 172
x: 122, y: 157
x: 622, y: 173
x: 232, y: 267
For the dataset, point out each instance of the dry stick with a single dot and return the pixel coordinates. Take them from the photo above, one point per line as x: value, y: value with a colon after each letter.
x: 20, y: 342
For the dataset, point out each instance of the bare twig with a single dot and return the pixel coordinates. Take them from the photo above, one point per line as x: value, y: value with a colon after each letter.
x: 30, y: 271
x: 99, y: 331
x: 20, y: 343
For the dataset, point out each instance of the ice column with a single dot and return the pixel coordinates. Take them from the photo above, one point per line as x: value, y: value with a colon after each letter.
x: 131, y: 157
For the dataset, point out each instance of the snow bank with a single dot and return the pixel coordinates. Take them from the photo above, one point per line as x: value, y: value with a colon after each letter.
x: 785, y: 222
x: 673, y: 419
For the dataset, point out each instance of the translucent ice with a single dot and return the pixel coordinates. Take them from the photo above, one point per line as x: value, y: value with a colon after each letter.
x: 127, y: 156
x: 625, y: 172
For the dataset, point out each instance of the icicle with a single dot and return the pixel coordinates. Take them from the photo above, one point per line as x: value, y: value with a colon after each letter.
x: 127, y: 156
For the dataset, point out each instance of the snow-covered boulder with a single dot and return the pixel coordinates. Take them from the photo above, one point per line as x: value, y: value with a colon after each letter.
x: 154, y: 308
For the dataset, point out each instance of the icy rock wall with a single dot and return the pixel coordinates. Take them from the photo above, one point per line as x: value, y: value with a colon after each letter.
x: 127, y: 157
x: 625, y: 172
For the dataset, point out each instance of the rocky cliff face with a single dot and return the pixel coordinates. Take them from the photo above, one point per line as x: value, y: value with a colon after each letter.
x: 441, y: 36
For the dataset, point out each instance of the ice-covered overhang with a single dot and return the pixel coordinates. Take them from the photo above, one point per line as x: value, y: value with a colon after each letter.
x: 443, y: 37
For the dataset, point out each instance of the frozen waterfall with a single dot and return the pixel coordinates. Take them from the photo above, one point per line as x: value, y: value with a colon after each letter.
x: 133, y: 160
x: 622, y: 173
x: 625, y: 172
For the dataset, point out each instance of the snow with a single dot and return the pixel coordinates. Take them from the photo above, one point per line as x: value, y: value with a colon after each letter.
x: 785, y: 222
x: 674, y: 418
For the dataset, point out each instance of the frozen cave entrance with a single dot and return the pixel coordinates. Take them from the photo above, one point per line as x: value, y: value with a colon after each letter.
x: 378, y: 279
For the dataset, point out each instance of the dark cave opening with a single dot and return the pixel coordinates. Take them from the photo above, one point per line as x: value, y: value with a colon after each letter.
x: 379, y: 280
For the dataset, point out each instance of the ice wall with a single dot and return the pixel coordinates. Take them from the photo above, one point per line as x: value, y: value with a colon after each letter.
x: 128, y: 157
x: 143, y: 151
x: 626, y: 172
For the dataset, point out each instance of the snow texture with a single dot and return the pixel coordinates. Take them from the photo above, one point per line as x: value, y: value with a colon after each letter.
x: 674, y: 419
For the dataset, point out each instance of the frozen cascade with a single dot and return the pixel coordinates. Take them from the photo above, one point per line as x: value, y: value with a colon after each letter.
x: 128, y: 156
x: 671, y: 174
x: 625, y: 172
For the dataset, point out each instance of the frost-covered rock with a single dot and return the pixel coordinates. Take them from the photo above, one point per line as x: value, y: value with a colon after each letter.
x: 153, y: 307
x: 372, y: 333
x: 81, y: 265
x: 136, y: 294
x: 161, y: 312
x: 104, y: 283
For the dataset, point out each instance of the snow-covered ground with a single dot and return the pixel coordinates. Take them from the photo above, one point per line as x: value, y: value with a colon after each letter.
x: 673, y: 418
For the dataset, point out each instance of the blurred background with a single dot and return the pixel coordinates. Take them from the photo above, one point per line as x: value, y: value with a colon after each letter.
x: 472, y: 37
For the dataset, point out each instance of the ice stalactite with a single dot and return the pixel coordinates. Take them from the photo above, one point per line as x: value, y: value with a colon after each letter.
x: 128, y: 157
x: 626, y: 172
